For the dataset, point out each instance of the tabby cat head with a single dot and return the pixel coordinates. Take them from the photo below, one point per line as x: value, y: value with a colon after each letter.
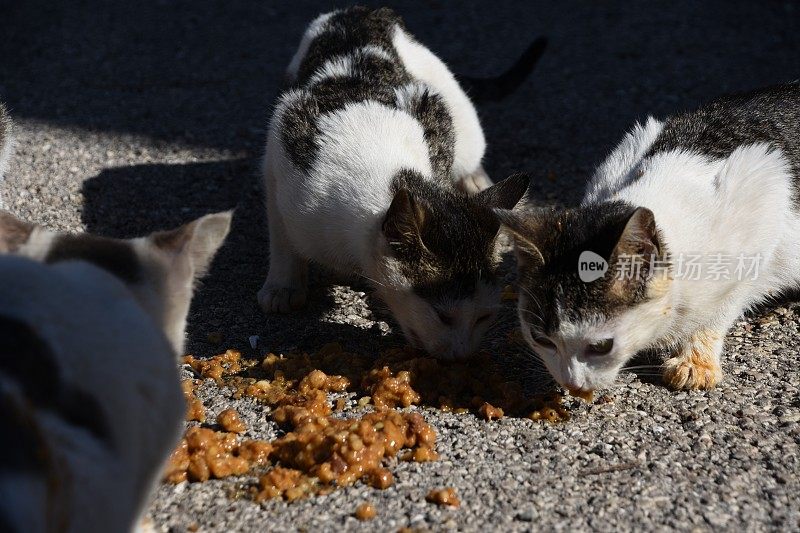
x: 586, y: 320
x: 437, y: 263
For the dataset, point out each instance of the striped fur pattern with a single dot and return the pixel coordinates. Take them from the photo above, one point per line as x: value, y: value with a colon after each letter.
x: 373, y: 165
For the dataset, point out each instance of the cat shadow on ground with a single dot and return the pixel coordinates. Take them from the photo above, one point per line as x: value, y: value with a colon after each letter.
x: 133, y: 201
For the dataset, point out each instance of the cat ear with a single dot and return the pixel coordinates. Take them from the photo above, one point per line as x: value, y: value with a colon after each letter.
x: 640, y: 235
x: 198, y: 240
x: 507, y: 193
x: 13, y: 232
x: 639, y: 240
x: 515, y: 223
x: 404, y: 220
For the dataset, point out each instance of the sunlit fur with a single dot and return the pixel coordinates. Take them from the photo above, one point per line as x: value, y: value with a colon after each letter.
x: 744, y: 203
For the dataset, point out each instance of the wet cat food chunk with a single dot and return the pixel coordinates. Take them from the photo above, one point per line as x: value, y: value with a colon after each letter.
x: 445, y: 496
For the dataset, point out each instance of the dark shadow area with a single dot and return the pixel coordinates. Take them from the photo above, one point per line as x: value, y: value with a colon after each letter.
x: 134, y: 201
x: 206, y: 73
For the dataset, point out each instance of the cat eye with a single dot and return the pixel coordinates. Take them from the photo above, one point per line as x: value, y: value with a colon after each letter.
x: 446, y: 319
x: 602, y: 347
x: 544, y: 341
x: 483, y: 318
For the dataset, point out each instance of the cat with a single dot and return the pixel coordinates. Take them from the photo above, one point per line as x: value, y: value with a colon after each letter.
x: 369, y: 159
x: 160, y: 269
x: 89, y: 398
x: 718, y: 180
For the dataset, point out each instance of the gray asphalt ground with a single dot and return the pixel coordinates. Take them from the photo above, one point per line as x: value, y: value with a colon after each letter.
x: 141, y: 115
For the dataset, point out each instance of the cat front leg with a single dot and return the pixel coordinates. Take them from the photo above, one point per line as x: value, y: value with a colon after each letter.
x: 286, y: 286
x: 474, y: 182
x: 696, y: 365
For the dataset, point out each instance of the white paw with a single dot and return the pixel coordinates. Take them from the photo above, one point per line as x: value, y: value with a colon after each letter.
x: 277, y: 299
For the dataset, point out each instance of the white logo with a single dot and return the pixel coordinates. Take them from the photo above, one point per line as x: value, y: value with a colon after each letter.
x: 591, y: 266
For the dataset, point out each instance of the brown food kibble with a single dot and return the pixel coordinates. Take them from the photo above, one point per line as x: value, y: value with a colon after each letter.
x: 366, y: 511
x: 203, y: 454
x: 230, y: 421
x: 214, y: 368
x: 445, y: 496
x: 548, y: 408
x: 380, y: 479
x: 194, y: 407
x: 490, y: 412
x: 389, y: 390
x: 585, y: 395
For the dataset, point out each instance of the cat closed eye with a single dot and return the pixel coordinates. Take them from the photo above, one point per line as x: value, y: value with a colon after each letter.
x: 483, y: 318
x: 544, y: 341
x: 446, y: 319
x: 602, y: 347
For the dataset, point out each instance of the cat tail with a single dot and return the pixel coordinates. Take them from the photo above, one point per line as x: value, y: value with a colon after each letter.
x: 499, y: 87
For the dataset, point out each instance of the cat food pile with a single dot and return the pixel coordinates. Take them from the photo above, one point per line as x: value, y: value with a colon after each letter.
x: 226, y: 364
x: 339, y: 452
x: 203, y: 454
x: 320, y: 451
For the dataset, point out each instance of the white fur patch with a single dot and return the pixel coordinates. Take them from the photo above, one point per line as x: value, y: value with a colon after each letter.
x: 423, y: 65
x: 612, y: 173
x: 332, y: 212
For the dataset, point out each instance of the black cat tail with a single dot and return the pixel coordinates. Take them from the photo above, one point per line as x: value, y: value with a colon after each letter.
x: 499, y: 87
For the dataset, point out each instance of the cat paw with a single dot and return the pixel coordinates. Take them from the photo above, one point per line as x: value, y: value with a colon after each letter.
x: 276, y: 299
x: 697, y: 365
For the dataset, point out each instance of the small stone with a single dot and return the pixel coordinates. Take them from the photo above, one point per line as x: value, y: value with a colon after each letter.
x: 528, y: 514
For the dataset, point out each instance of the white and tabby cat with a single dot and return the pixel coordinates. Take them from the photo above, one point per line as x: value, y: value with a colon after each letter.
x: 719, y: 183
x: 368, y: 159
x: 90, y: 400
